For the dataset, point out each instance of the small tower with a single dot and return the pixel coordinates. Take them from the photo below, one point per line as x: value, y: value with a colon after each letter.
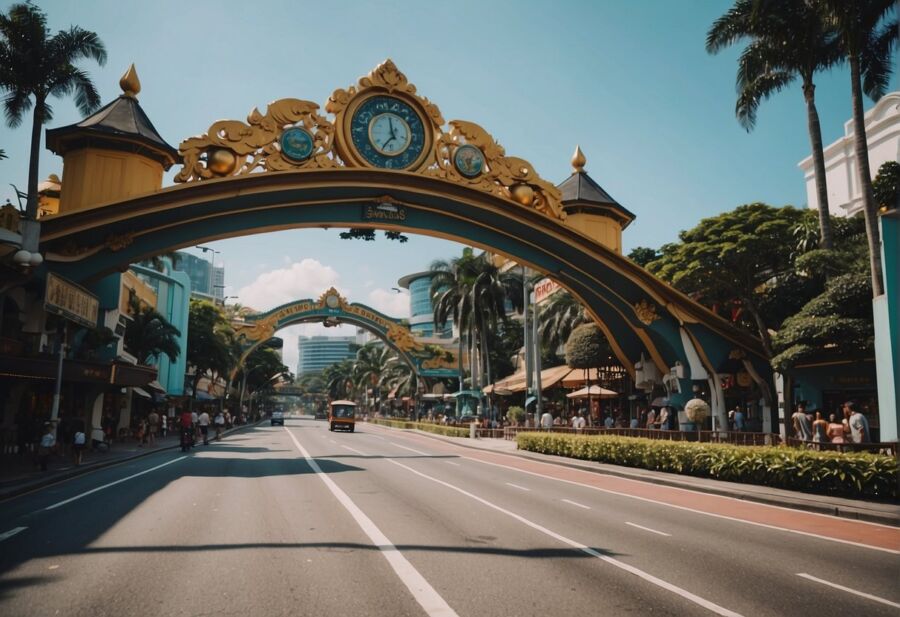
x: 590, y: 209
x: 111, y: 155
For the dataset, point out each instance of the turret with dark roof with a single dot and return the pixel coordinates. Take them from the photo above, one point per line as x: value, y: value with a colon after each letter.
x: 581, y: 195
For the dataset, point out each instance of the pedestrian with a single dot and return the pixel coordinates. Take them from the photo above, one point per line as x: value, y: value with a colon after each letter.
x: 608, y: 421
x: 153, y: 426
x: 802, y: 425
x: 45, y: 448
x: 578, y: 422
x: 78, y: 443
x: 820, y: 429
x: 547, y: 420
x: 651, y: 418
x: 634, y: 422
x: 203, y: 420
x: 140, y: 432
x: 663, y: 419
x: 835, y: 430
x: 219, y: 421
x: 164, y: 425
x: 739, y: 419
x: 187, y: 426
x: 859, y: 426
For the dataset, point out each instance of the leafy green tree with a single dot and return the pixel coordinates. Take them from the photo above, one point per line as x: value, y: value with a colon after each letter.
x: 588, y: 348
x: 368, y: 235
x: 34, y: 66
x: 867, y: 32
x: 767, y: 65
x: 372, y: 362
x: 262, y: 366
x: 211, y: 348
x: 728, y: 263
x: 338, y: 380
x: 886, y: 186
x: 641, y: 255
x: 149, y: 334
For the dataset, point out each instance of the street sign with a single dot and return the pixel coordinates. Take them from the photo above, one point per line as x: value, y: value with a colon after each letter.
x: 545, y: 288
x: 70, y: 301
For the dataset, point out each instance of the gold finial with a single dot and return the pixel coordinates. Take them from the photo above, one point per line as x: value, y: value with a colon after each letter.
x: 578, y: 160
x: 130, y: 83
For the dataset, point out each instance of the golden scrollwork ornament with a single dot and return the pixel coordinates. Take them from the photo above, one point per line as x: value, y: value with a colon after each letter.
x: 646, y: 312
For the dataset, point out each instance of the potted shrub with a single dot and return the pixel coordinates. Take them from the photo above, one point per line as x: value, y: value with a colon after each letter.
x: 515, y: 415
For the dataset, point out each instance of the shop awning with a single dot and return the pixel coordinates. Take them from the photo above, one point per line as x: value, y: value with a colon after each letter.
x: 141, y: 392
x: 155, y: 385
x: 593, y: 392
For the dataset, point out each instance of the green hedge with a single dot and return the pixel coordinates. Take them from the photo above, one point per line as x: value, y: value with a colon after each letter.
x: 451, y: 431
x: 832, y: 473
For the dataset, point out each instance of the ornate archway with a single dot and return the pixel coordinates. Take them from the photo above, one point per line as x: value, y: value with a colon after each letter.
x: 333, y: 309
x: 384, y: 161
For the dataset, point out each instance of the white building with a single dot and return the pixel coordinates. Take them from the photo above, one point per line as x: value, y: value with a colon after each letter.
x: 883, y: 135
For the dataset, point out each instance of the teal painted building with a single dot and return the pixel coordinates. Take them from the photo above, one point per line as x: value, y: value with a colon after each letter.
x: 887, y: 326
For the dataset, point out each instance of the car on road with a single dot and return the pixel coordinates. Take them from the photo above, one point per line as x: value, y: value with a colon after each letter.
x: 321, y: 415
x: 277, y: 418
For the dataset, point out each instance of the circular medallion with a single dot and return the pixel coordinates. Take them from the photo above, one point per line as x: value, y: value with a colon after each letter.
x: 332, y: 301
x: 296, y: 144
x: 387, y: 132
x: 469, y: 161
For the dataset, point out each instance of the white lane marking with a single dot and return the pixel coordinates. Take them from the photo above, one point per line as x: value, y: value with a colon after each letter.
x: 575, y: 503
x: 355, y: 450
x: 668, y: 535
x: 848, y: 590
x: 719, y: 610
x: 333, y: 441
x: 100, y: 488
x: 695, y: 511
x: 8, y: 534
x: 429, y: 599
x: 521, y: 488
x: 410, y: 449
x: 452, y: 463
x: 377, y: 436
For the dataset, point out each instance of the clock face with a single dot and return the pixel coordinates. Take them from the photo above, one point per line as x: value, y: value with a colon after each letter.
x: 469, y: 161
x: 387, y: 132
x: 296, y: 144
x: 332, y: 301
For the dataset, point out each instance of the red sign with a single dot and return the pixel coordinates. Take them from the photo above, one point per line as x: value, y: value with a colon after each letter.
x: 545, y: 288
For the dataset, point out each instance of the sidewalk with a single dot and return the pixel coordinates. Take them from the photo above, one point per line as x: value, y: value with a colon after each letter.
x: 871, y: 511
x: 19, y: 473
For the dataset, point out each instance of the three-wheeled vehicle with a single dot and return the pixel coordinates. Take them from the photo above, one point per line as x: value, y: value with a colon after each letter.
x: 342, y: 415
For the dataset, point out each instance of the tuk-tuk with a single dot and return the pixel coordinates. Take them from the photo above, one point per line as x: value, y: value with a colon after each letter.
x: 342, y: 415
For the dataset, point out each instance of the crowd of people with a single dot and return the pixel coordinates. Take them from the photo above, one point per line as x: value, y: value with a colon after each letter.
x: 853, y: 427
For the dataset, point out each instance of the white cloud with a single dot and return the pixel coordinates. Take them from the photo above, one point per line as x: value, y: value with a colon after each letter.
x: 304, y: 279
x: 390, y: 303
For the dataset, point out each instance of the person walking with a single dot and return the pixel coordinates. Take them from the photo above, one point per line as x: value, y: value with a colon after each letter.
x: 820, y: 429
x: 46, y: 445
x: 802, y: 425
x: 547, y: 420
x: 78, y: 443
x: 835, y: 429
x: 651, y: 418
x: 859, y: 425
x: 219, y: 421
x: 739, y: 419
x: 203, y: 421
x: 153, y: 427
x: 164, y: 425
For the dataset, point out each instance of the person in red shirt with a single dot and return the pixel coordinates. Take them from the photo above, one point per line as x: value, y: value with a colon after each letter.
x: 187, y: 428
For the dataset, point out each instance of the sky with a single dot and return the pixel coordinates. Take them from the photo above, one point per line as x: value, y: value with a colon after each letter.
x: 627, y: 80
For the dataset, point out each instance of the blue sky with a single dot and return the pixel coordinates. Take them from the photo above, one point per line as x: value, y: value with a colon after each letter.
x: 629, y: 81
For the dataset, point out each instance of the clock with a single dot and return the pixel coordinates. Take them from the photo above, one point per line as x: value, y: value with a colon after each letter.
x: 469, y: 161
x: 296, y: 144
x: 332, y: 301
x: 388, y: 132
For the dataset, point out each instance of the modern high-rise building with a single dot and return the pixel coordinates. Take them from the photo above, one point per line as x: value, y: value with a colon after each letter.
x: 319, y: 352
x: 207, y: 281
x: 421, y: 312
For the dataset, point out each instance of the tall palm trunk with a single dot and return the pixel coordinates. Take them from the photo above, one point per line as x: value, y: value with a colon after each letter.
x: 865, y: 177
x: 815, y: 138
x: 31, y: 204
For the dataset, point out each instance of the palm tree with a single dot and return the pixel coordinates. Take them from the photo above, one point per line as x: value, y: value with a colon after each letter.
x: 867, y: 34
x: 474, y: 292
x: 149, y: 334
x: 211, y: 349
x: 35, y: 66
x: 562, y: 314
x: 338, y: 380
x: 371, y: 363
x: 768, y: 65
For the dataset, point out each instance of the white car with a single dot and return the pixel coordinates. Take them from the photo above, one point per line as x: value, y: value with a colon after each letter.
x: 277, y: 418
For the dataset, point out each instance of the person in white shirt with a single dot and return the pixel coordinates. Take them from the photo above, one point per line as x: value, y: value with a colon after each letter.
x: 203, y: 421
x: 578, y: 422
x: 219, y: 421
x: 547, y: 420
x: 79, y: 443
x: 48, y: 441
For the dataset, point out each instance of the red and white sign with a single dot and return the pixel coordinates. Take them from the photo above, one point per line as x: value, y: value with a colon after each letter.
x: 545, y: 288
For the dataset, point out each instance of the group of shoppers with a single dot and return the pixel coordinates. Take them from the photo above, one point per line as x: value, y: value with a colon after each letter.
x: 852, y: 428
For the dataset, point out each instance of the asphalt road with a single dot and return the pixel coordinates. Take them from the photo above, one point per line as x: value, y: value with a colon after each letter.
x: 302, y: 521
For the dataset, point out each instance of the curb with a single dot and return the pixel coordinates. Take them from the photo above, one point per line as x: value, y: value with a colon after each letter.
x: 735, y: 493
x: 75, y: 472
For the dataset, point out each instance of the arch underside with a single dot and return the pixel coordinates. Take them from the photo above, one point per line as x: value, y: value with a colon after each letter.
x: 610, y: 285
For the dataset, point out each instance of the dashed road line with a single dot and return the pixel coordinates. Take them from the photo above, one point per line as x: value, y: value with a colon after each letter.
x: 355, y: 450
x: 8, y: 534
x: 668, y: 535
x: 452, y: 463
x: 521, y: 488
x: 848, y: 590
x: 575, y: 503
x: 410, y: 449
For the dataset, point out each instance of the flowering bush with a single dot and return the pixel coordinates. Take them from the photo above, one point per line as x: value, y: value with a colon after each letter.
x: 451, y: 431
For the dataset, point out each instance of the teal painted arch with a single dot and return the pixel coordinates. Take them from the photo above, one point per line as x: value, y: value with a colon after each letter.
x: 610, y: 285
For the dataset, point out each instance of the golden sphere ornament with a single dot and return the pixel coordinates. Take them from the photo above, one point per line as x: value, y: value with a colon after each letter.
x: 522, y: 193
x: 221, y: 161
